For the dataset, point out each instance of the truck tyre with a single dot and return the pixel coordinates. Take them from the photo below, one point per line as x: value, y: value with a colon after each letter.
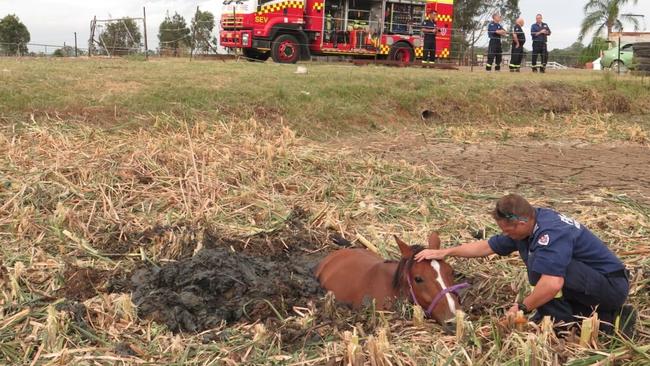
x: 402, y: 52
x: 285, y: 49
x: 615, y: 66
x: 256, y: 55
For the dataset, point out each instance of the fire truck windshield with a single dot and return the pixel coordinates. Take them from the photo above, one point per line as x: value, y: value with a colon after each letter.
x: 238, y: 6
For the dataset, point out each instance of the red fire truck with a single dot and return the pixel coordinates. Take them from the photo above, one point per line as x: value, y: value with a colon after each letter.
x: 290, y: 30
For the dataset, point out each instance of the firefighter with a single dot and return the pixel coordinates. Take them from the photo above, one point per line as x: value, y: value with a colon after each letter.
x: 571, y: 269
x: 495, y: 53
x: 429, y: 29
x: 540, y: 32
x: 518, y: 40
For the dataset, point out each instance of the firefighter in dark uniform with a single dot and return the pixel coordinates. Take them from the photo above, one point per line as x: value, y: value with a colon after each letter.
x: 429, y: 30
x: 495, y: 52
x: 540, y: 32
x: 572, y: 270
x: 518, y: 40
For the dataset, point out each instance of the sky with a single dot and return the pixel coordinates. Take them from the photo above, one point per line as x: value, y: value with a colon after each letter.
x: 55, y: 21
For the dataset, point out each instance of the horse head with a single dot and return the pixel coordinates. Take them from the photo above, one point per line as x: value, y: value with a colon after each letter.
x: 430, y: 283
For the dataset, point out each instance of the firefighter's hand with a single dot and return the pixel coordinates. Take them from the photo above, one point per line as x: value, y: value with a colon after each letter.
x: 513, y: 309
x: 429, y: 254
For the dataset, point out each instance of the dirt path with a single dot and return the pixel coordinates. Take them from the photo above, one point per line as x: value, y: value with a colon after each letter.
x: 570, y: 168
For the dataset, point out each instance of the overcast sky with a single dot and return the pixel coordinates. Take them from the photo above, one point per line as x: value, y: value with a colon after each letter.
x: 55, y: 21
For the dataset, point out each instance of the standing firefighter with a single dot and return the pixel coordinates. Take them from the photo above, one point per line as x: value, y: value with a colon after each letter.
x: 429, y: 29
x: 540, y: 32
x: 518, y: 40
x: 495, y: 52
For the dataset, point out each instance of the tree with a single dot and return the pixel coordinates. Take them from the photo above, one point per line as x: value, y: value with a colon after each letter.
x: 120, y: 37
x: 471, y: 18
x: 173, y: 33
x: 593, y: 51
x: 14, y: 36
x: 202, y: 26
x: 568, y: 56
x: 606, y: 15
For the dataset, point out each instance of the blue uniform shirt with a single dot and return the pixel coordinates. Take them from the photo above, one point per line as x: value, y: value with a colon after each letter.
x: 538, y: 27
x: 493, y: 27
x: 521, y: 36
x: 556, y: 241
x: 429, y: 25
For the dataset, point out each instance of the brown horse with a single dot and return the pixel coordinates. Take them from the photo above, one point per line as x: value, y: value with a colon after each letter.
x: 356, y: 275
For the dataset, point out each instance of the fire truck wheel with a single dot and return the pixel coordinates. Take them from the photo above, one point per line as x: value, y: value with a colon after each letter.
x: 285, y: 49
x: 403, y: 52
x: 255, y: 55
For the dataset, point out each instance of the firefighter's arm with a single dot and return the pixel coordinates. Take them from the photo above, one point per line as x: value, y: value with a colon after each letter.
x: 502, y: 32
x: 515, y: 38
x: 547, y: 287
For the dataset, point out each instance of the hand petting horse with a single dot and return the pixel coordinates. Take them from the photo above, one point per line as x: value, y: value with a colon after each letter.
x: 357, y: 275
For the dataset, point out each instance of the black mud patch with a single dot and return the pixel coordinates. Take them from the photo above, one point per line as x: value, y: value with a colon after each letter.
x: 218, y: 285
x: 234, y: 278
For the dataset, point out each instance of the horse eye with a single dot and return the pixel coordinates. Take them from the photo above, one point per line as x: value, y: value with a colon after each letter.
x: 418, y: 279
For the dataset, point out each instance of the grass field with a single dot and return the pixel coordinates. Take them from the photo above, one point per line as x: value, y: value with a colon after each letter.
x: 110, y: 165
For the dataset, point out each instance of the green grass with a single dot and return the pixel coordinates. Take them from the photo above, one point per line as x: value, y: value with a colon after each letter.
x: 92, y: 153
x: 330, y: 100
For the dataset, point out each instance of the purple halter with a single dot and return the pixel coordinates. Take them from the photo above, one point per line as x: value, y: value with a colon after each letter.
x: 453, y: 289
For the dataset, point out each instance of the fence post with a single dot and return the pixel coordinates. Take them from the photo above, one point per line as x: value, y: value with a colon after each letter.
x: 146, y: 45
x: 618, y: 63
x: 460, y: 53
x: 471, y: 57
x: 193, y: 45
x: 91, y: 41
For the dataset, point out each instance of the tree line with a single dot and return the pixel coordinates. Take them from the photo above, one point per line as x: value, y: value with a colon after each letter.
x: 124, y: 36
x: 175, y: 36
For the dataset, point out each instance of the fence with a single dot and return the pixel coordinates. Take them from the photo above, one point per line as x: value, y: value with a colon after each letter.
x: 466, y: 50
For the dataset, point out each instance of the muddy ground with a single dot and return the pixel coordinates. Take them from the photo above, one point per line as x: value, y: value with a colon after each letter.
x: 219, y: 285
x: 234, y: 278
x: 255, y: 277
x: 568, y: 167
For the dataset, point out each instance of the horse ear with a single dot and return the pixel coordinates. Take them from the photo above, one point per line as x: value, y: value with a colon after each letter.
x: 404, y: 248
x: 434, y: 241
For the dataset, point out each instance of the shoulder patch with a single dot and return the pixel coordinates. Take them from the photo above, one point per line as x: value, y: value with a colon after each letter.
x: 543, y: 240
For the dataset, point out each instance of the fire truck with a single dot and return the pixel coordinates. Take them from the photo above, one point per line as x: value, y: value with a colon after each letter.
x: 291, y: 30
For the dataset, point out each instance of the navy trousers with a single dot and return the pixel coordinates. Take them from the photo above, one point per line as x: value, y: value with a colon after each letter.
x: 586, y: 289
x: 495, y: 55
x: 429, y: 48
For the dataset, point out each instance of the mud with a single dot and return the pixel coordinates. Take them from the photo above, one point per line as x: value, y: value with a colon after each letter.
x: 231, y: 279
x: 218, y: 285
x: 571, y: 168
x: 545, y: 168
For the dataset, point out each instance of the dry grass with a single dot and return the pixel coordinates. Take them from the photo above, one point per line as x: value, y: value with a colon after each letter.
x: 73, y: 194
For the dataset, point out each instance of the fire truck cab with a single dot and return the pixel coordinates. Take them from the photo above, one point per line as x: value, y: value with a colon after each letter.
x: 290, y: 30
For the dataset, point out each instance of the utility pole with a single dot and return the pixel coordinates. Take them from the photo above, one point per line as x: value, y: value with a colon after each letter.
x: 195, y: 25
x: 91, y: 41
x: 76, y: 50
x: 471, y: 57
x: 146, y: 45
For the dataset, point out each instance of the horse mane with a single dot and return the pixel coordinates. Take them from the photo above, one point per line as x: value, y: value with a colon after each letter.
x: 405, y: 265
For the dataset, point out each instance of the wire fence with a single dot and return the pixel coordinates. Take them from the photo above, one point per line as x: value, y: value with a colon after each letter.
x: 466, y: 49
